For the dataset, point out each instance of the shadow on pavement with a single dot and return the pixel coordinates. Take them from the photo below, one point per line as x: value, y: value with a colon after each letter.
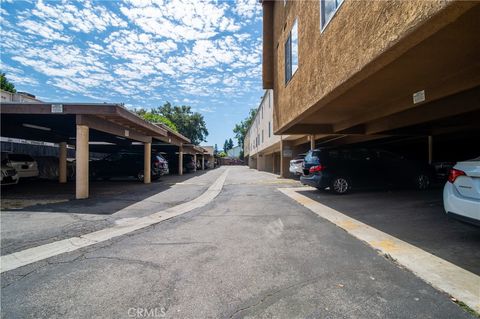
x: 106, y: 197
x: 416, y: 217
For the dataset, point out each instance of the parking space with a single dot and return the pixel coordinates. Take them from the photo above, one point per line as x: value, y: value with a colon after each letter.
x: 416, y: 217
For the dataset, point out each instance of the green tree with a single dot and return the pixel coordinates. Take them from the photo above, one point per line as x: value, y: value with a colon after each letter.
x: 215, y: 150
x: 225, y: 146
x: 156, y: 118
x: 241, y: 128
x: 230, y: 144
x: 222, y: 154
x: 190, y: 124
x: 6, y: 85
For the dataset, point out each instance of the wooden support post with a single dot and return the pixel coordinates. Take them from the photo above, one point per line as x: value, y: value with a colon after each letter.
x: 62, y: 162
x: 82, y: 161
x: 285, y: 157
x: 147, y: 163
x: 195, y: 162
x: 203, y: 162
x: 312, y: 142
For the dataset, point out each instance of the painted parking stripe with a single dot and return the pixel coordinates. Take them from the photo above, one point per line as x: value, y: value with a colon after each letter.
x: 441, y: 274
x: 34, y: 254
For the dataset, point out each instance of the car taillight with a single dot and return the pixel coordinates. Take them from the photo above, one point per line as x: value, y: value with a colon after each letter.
x: 454, y: 173
x: 316, y: 168
x: 156, y: 163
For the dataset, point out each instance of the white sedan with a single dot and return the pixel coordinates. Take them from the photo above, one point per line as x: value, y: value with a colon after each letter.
x: 296, y: 165
x: 461, y: 194
x: 24, y: 164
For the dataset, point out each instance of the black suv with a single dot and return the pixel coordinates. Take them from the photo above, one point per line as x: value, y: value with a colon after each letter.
x: 344, y: 169
x: 127, y: 164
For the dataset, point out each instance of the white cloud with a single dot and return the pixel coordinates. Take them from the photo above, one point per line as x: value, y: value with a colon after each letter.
x: 180, y: 20
x: 45, y: 31
x: 246, y: 8
x: 86, y: 19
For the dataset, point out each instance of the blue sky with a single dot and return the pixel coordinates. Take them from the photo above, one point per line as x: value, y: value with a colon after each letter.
x: 206, y: 54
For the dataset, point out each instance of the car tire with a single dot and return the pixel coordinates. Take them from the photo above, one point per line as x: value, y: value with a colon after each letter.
x: 140, y: 176
x: 422, y: 181
x: 340, y: 185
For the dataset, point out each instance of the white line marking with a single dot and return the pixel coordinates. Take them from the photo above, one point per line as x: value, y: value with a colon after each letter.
x: 34, y: 254
x: 441, y: 274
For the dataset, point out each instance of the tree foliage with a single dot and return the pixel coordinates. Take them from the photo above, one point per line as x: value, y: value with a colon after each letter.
x: 6, y: 85
x: 241, y: 128
x: 156, y: 118
x: 188, y: 123
x: 222, y: 154
x: 225, y: 146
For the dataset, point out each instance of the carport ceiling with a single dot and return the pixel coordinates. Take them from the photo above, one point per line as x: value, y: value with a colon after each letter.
x: 108, y: 122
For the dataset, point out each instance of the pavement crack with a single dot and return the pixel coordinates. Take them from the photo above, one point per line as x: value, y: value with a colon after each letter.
x: 276, y: 292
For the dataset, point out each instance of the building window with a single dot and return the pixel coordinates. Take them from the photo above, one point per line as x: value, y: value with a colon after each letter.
x: 291, y: 53
x: 269, y: 130
x: 327, y: 11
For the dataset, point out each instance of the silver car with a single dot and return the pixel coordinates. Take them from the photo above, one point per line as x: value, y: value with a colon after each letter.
x: 9, y: 175
x: 296, y: 165
x: 24, y: 164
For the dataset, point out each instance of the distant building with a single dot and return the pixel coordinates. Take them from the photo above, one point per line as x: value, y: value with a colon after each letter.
x: 234, y: 152
x: 20, y: 97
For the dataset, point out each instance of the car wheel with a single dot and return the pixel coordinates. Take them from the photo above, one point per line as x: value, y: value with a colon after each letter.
x: 140, y: 176
x: 340, y: 185
x: 422, y: 181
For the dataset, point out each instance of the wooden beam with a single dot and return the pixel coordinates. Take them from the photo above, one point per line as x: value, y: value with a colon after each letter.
x: 99, y: 124
x: 310, y: 129
x: 463, y: 80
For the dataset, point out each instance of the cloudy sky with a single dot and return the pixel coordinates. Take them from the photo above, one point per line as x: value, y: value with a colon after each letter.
x: 139, y: 52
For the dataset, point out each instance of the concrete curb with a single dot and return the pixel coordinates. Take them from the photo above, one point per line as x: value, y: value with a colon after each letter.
x: 34, y: 254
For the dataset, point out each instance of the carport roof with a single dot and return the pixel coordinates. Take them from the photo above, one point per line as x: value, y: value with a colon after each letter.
x: 55, y: 122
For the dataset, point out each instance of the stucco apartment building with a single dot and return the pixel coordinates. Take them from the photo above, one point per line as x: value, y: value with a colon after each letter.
x: 360, y: 71
x: 262, y: 148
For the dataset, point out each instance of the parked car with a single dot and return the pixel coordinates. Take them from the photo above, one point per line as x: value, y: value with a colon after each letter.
x: 461, y: 193
x: 48, y: 167
x: 127, y: 164
x: 296, y: 165
x: 9, y: 175
x: 442, y: 170
x: 342, y: 169
x: 24, y: 164
x: 188, y: 164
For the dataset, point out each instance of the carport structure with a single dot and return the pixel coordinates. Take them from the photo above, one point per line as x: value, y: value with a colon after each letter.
x: 82, y: 124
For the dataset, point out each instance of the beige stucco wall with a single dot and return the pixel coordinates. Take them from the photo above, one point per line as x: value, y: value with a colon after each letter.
x: 359, y: 32
x: 262, y: 119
